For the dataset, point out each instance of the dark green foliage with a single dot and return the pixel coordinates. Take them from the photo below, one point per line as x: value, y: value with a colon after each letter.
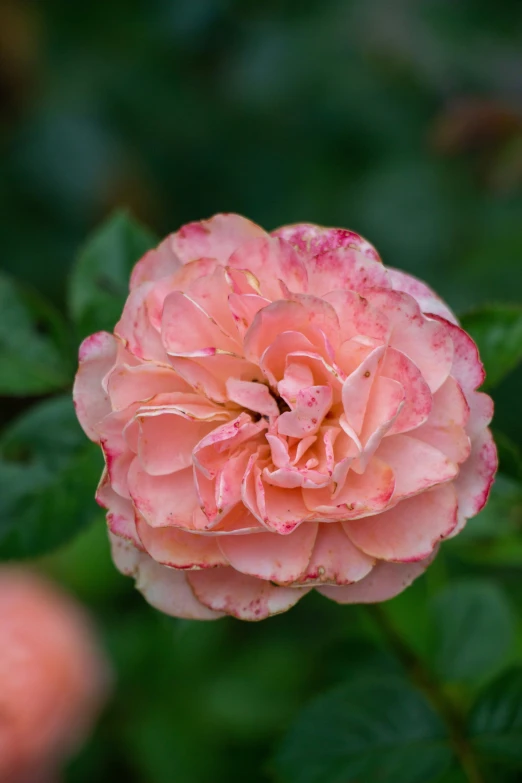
x: 399, y: 120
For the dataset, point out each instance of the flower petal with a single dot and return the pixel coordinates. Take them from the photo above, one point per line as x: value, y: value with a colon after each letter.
x: 410, y: 530
x: 335, y: 559
x: 385, y: 581
x: 345, y: 268
x: 167, y: 438
x: 168, y: 590
x: 428, y: 301
x: 164, y: 500
x: 312, y: 239
x: 281, y: 559
x: 416, y: 465
x: 271, y: 259
x: 204, y: 337
x: 97, y: 356
x: 177, y: 549
x: 242, y: 596
x: 157, y: 263
x: 217, y: 237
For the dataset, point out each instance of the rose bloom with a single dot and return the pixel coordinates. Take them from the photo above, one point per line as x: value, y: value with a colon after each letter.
x: 53, y: 677
x: 281, y: 412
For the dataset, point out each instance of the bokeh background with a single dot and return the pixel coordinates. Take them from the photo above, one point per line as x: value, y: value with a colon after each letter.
x: 400, y: 119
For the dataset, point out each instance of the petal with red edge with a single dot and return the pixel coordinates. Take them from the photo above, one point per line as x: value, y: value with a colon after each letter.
x: 476, y: 475
x: 187, y: 330
x: 335, y: 559
x: 164, y: 500
x: 157, y: 263
x: 217, y: 237
x: 312, y: 240
x: 428, y: 301
x: 97, y: 356
x: 281, y: 559
x: 271, y: 259
x: 410, y: 530
x: 416, y: 465
x: 168, y: 590
x: 242, y: 596
x: 345, y: 268
x: 385, y: 581
x: 177, y: 549
x: 167, y: 439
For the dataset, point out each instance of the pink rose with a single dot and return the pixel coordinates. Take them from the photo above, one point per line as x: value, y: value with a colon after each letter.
x: 280, y: 412
x: 53, y: 678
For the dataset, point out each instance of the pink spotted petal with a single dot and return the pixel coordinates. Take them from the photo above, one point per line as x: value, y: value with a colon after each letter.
x: 427, y: 342
x: 203, y: 337
x: 345, y: 268
x: 281, y: 559
x: 476, y: 476
x: 312, y: 240
x: 357, y: 389
x: 156, y: 264
x: 467, y: 369
x: 245, y: 597
x: 120, y: 512
x: 418, y: 399
x: 416, y: 465
x: 252, y: 396
x: 167, y: 440
x: 128, y: 384
x: 217, y: 237
x: 385, y: 581
x: 164, y: 500
x: 168, y: 590
x: 177, y: 549
x: 335, y: 559
x: 410, y: 530
x: 428, y: 301
x: 311, y: 406
x: 271, y: 259
x: 97, y: 356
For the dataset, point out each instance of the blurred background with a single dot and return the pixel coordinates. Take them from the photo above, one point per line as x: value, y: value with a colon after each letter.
x: 400, y: 119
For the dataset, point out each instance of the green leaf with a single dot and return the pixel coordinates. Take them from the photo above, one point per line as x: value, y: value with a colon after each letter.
x: 48, y: 472
x: 495, y: 723
x: 473, y: 629
x: 33, y: 344
x: 100, y: 279
x: 497, y: 330
x: 374, y: 729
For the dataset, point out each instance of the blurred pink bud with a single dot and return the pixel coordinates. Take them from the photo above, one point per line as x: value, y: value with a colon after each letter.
x: 53, y: 677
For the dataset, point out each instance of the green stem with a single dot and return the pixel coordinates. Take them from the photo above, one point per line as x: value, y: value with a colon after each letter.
x: 423, y: 678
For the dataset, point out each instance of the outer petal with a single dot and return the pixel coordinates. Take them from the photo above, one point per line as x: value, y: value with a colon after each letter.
x: 167, y: 590
x: 385, y: 581
x: 281, y: 559
x: 467, y: 369
x: 345, y: 268
x: 217, y: 237
x: 242, y: 596
x: 97, y: 355
x: 271, y: 259
x: 120, y: 512
x: 204, y: 337
x: 175, y: 548
x: 164, y: 500
x: 427, y: 299
x: 410, y: 530
x: 312, y: 240
x: 157, y: 263
x: 335, y: 559
x: 425, y: 341
x: 476, y: 476
x: 128, y: 384
x: 416, y: 465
